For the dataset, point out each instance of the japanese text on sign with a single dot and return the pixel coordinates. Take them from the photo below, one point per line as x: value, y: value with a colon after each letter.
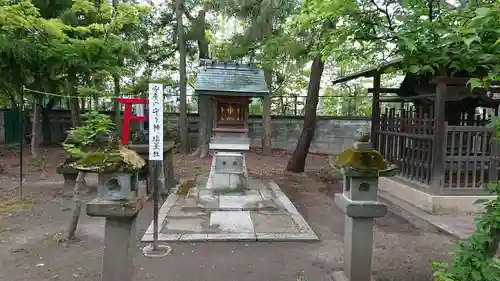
x: 155, y: 122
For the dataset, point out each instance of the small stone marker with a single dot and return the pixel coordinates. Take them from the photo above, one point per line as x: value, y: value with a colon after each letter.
x: 361, y: 167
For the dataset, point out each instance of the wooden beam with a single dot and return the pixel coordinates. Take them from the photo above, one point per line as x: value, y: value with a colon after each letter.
x: 410, y: 98
x: 385, y: 90
x: 439, y: 139
x: 450, y: 80
x: 456, y: 80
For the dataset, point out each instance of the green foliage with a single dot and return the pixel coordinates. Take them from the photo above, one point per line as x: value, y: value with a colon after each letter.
x: 426, y: 35
x: 82, y: 138
x: 474, y: 259
x: 93, y: 148
x: 71, y: 46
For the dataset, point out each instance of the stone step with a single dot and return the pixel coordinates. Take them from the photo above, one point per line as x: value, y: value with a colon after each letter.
x: 413, y: 215
x: 458, y: 226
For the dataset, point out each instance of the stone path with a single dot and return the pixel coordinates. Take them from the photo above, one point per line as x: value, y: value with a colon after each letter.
x: 262, y: 213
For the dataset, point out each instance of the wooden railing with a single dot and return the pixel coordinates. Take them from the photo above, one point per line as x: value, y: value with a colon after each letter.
x: 405, y: 139
x: 471, y: 158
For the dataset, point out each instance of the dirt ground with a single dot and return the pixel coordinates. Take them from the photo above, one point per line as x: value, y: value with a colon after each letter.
x: 31, y: 246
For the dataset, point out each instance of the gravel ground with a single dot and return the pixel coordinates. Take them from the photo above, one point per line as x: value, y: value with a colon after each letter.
x: 31, y: 248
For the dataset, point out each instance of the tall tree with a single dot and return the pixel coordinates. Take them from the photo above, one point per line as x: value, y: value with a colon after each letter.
x: 297, y: 162
x: 183, y: 122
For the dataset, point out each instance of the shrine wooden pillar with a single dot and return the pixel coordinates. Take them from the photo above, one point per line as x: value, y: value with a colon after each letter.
x: 439, y: 136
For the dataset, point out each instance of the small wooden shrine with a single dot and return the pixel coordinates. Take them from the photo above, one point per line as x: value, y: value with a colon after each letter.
x: 434, y: 129
x: 231, y: 87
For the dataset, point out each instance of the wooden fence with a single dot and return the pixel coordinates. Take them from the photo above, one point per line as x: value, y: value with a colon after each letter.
x: 406, y: 136
x: 471, y: 159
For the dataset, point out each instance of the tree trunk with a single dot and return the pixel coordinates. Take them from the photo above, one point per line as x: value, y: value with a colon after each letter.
x: 73, y: 102
x: 77, y: 192
x: 204, y: 105
x: 202, y: 40
x: 204, y: 126
x: 36, y: 127
x: 116, y: 105
x: 47, y: 135
x: 266, y: 104
x: 266, y: 125
x: 297, y: 162
x: 183, y: 124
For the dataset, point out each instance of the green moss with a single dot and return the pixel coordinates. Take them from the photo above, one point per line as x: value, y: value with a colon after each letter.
x: 11, y: 206
x: 110, y: 160
x: 185, y: 187
x: 361, y: 160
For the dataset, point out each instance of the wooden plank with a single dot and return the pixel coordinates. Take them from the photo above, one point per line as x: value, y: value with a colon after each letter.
x: 382, y: 90
x: 469, y: 129
x: 459, y: 161
x: 473, y: 160
x: 493, y: 164
x: 484, y: 147
x: 408, y: 135
x: 404, y: 124
x: 451, y: 158
x: 463, y: 158
x: 468, y: 148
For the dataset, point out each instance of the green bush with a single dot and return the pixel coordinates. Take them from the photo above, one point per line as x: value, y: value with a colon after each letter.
x: 474, y: 259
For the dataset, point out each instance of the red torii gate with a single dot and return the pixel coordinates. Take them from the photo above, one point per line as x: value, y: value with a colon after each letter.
x: 127, y: 115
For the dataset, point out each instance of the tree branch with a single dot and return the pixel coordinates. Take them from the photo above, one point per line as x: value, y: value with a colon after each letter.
x: 188, y: 15
x: 386, y: 13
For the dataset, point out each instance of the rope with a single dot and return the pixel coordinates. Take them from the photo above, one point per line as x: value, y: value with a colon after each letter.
x: 63, y: 96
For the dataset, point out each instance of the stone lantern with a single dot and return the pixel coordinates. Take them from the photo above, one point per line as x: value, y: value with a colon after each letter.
x: 361, y: 167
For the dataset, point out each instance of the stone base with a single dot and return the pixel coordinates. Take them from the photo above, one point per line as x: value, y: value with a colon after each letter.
x: 433, y: 204
x: 114, y: 209
x: 340, y: 276
x: 262, y: 213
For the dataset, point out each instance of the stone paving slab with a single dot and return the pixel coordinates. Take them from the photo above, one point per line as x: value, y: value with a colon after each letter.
x: 264, y: 213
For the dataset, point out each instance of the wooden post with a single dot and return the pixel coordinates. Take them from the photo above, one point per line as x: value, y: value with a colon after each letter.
x: 375, y: 126
x: 439, y: 138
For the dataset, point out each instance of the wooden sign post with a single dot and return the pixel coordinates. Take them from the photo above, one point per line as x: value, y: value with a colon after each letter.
x: 155, y: 148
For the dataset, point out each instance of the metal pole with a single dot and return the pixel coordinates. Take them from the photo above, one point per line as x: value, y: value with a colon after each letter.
x: 156, y: 194
x: 21, y: 145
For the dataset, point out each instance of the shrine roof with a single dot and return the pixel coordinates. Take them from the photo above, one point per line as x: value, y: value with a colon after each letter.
x: 219, y: 78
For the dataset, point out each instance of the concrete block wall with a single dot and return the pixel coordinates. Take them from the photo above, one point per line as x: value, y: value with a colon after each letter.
x: 332, y: 134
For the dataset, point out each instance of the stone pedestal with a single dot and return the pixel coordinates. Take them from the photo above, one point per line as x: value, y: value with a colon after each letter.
x: 119, y: 239
x: 228, y: 173
x: 359, y: 203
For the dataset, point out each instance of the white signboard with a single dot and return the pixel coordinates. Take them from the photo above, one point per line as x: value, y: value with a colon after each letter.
x: 155, y: 121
